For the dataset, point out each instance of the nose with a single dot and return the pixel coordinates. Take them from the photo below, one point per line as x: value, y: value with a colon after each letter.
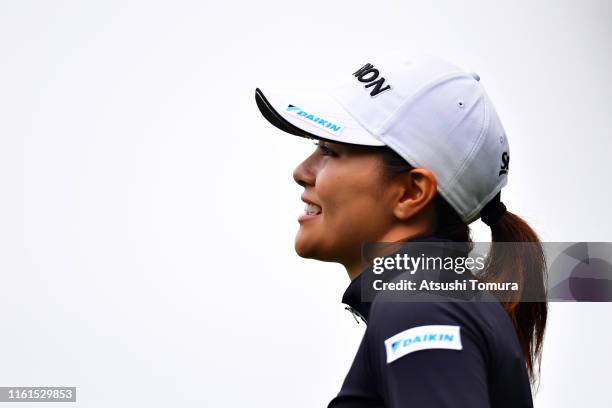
x: 304, y: 173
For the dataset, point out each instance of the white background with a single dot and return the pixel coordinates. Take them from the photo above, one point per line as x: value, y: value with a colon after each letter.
x: 147, y: 211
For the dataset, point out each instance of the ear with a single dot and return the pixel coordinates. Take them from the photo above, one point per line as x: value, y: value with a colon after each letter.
x: 416, y: 189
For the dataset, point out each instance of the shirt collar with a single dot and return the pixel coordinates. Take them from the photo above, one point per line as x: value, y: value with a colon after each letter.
x: 352, y: 295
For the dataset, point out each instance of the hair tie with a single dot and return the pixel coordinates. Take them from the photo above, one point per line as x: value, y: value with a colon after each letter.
x: 492, y: 212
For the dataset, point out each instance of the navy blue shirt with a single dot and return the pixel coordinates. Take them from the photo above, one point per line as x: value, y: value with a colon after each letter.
x: 434, y: 352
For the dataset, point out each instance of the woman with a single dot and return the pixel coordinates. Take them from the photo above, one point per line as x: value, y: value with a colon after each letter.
x: 412, y: 150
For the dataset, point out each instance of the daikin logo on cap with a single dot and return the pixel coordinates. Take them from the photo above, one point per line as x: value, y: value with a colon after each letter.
x: 315, y: 120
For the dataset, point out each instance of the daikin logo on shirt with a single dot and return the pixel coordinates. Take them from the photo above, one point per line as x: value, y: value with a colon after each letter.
x: 315, y: 120
x: 423, y: 338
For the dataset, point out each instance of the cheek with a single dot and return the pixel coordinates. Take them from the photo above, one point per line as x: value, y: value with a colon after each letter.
x: 348, y: 198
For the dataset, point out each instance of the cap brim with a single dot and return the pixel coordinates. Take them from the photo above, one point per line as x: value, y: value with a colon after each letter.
x: 313, y: 117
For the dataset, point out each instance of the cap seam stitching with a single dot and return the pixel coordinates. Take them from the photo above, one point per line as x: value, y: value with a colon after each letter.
x: 461, y: 165
x: 476, y: 146
x: 419, y: 92
x: 481, y: 204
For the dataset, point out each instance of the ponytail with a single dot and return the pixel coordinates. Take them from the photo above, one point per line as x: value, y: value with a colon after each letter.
x: 526, y: 265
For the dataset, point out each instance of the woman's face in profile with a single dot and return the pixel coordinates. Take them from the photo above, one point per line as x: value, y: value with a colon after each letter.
x: 346, y: 202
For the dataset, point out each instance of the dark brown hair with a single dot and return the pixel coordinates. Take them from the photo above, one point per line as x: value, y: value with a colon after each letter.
x: 514, y: 263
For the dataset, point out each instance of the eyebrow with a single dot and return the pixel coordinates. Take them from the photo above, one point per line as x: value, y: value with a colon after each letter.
x: 330, y: 144
x: 349, y: 147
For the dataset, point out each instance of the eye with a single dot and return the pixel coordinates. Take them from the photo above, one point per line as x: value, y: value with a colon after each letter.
x: 325, y: 150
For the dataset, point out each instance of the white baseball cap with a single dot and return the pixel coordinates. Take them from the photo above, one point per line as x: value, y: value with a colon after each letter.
x: 432, y: 113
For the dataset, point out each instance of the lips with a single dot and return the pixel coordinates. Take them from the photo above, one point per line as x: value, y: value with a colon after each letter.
x: 311, y: 210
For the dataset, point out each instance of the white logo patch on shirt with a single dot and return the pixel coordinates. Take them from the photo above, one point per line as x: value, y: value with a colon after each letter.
x: 423, y: 338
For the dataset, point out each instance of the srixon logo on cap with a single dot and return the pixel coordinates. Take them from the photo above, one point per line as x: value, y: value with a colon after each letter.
x: 369, y: 74
x: 505, y: 163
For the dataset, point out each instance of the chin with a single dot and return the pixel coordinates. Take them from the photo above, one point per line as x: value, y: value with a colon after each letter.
x: 306, y: 246
x: 304, y: 249
x: 311, y: 249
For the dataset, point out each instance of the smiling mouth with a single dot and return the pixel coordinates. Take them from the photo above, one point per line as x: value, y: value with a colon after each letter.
x: 312, y: 209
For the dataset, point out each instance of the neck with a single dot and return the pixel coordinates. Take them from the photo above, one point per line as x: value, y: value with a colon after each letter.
x: 354, y: 269
x: 355, y: 266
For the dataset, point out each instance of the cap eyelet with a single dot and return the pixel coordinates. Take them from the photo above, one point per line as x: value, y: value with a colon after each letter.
x: 460, y: 104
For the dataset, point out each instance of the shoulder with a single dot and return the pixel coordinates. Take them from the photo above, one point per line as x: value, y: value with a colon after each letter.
x: 483, y: 324
x: 426, y: 307
x: 469, y: 348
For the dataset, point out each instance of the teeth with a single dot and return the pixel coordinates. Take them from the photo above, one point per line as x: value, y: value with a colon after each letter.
x: 312, y: 209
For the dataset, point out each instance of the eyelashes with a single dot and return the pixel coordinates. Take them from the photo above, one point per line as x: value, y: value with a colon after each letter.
x: 325, y: 150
